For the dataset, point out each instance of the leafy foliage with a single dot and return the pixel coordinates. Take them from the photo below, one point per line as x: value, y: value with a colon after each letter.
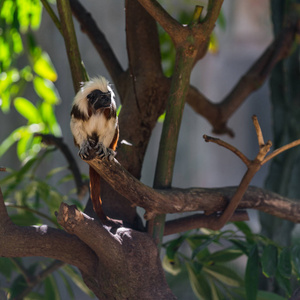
x: 214, y: 269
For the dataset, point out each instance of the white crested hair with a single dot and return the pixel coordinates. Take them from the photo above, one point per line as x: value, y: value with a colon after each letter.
x: 96, y: 83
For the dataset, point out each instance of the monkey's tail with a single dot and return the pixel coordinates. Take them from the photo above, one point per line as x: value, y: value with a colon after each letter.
x: 95, y: 193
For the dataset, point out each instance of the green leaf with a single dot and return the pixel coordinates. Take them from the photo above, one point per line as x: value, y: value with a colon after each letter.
x: 225, y: 255
x: 269, y: 261
x: 161, y: 118
x: 198, y: 283
x: 284, y: 263
x: 174, y: 245
x: 51, y: 288
x: 224, y: 275
x: 27, y: 110
x: 77, y: 279
x: 6, y: 267
x: 252, y: 273
x: 263, y: 295
x: 295, y: 252
x: 44, y: 67
x: 46, y: 90
x: 284, y: 283
x: 204, y: 245
x: 172, y: 266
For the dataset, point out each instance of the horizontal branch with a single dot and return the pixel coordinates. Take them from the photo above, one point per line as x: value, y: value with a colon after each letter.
x: 175, y: 200
x: 24, y: 241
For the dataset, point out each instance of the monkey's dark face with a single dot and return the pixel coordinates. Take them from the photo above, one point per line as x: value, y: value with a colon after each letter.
x: 98, y: 99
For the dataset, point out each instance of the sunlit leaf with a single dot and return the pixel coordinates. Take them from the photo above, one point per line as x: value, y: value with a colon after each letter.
x: 46, y: 90
x: 161, y: 118
x: 44, y: 67
x: 27, y: 110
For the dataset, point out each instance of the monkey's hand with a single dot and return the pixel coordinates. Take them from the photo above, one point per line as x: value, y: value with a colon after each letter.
x: 104, y: 152
x: 87, y: 151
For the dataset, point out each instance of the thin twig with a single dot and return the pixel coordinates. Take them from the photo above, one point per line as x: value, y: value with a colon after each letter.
x: 199, y: 221
x: 54, y: 266
x: 52, y: 15
x: 238, y: 153
x: 259, y: 134
x: 280, y: 150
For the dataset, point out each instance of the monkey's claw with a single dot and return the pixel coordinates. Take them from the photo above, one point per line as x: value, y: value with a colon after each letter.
x: 104, y: 152
x: 85, y: 151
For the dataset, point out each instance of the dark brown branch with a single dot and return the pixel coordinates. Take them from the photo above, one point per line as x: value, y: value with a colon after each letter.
x: 218, y: 114
x: 199, y: 221
x: 176, y: 200
x: 89, y: 26
x: 43, y: 241
x: 175, y: 30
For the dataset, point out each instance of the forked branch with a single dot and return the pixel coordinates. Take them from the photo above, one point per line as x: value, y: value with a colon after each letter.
x: 252, y: 168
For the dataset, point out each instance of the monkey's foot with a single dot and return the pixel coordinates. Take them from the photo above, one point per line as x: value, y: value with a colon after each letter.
x: 86, y: 151
x: 104, y: 152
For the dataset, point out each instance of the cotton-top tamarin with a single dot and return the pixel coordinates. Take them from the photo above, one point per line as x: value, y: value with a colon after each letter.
x: 94, y: 125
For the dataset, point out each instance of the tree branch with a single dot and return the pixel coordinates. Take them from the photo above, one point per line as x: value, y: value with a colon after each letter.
x: 175, y: 200
x: 89, y: 26
x: 67, y: 26
x: 199, y: 221
x: 23, y: 241
x: 175, y: 30
x: 218, y: 114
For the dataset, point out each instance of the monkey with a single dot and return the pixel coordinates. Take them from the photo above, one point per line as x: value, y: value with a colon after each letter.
x: 94, y: 125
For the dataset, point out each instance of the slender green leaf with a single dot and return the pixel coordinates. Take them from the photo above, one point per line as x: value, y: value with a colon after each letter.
x: 44, y: 67
x: 6, y: 267
x: 27, y: 110
x: 225, y: 255
x: 252, y: 273
x: 204, y: 245
x: 224, y: 275
x: 269, y: 261
x: 51, y: 288
x: 198, y: 283
x: 46, y: 90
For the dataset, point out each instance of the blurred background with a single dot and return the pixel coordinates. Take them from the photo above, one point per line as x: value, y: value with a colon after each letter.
x: 198, y: 164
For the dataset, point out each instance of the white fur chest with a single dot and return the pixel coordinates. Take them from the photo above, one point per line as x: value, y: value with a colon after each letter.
x: 105, y: 129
